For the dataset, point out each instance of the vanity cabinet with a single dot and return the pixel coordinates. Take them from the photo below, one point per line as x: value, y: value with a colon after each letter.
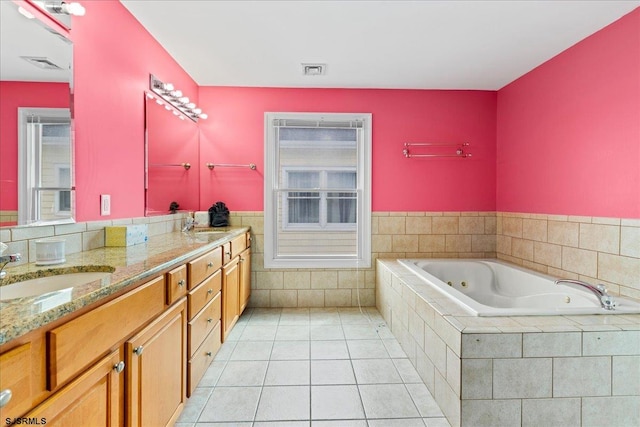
x: 204, y: 314
x: 156, y: 370
x: 15, y: 381
x: 245, y: 278
x: 236, y: 281
x: 92, y: 399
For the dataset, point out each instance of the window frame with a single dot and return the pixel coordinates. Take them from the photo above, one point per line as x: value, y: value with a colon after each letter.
x: 362, y: 258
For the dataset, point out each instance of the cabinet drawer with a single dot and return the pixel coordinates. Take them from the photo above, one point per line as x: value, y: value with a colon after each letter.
x: 203, y: 323
x: 77, y: 343
x: 233, y: 248
x: 15, y: 376
x: 176, y: 284
x: 203, y: 293
x: 203, y: 267
x: 202, y: 358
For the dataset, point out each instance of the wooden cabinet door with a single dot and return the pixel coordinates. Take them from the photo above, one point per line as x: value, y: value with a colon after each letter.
x: 92, y: 399
x: 245, y: 279
x: 156, y: 370
x: 230, y: 296
x: 15, y: 381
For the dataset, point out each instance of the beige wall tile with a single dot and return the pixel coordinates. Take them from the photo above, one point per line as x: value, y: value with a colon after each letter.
x: 337, y: 298
x: 351, y: 279
x: 477, y: 379
x: 569, y: 379
x: 24, y: 233
x: 512, y: 226
x: 367, y: 297
x: 381, y: 243
x: 260, y: 298
x: 453, y: 371
x: 445, y: 225
x: 580, y: 261
x: 564, y: 233
x: 310, y: 298
x: 418, y: 225
x: 70, y: 228
x: 457, y: 243
x: 483, y: 243
x: 405, y: 243
x: 534, y: 229
x: 297, y: 280
x: 606, y: 221
x: 525, y: 378
x: 522, y: 249
x: 503, y: 244
x: 481, y: 346
x: 561, y: 344
x: 630, y: 241
x: 610, y: 411
x: 603, y: 238
x: 269, y: 280
x: 626, y: 376
x: 611, y: 343
x: 284, y: 298
x: 619, y: 269
x: 490, y: 413
x: 471, y: 225
x: 92, y: 240
x: 490, y: 225
x: 547, y: 254
x: 391, y: 225
x: 324, y: 280
x: 431, y: 243
x: 551, y: 412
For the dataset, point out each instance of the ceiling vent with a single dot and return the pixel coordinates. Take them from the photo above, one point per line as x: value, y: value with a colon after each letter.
x: 41, y: 62
x: 314, y: 69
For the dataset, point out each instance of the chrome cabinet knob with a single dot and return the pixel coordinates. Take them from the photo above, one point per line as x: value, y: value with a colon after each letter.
x: 181, y: 282
x: 5, y: 397
x: 210, y: 291
x: 228, y: 254
x: 119, y: 367
x: 138, y: 350
x: 208, y: 353
x: 209, y: 320
x: 209, y: 264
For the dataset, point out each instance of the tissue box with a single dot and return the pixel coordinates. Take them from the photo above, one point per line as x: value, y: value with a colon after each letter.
x: 125, y: 235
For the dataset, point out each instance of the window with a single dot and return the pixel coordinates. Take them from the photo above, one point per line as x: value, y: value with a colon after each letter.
x: 317, y: 190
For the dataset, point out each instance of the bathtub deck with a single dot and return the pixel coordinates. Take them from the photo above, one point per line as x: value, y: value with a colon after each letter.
x: 521, y: 370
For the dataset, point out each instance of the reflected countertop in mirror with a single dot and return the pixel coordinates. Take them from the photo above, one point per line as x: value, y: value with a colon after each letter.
x: 36, y: 74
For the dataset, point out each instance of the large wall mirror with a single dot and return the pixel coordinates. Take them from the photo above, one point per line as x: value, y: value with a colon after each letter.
x: 36, y: 146
x: 172, y: 158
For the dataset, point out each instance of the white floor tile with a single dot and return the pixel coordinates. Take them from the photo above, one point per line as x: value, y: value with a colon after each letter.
x: 423, y: 400
x: 212, y: 374
x: 335, y: 403
x: 375, y: 371
x: 329, y: 350
x: 406, y: 370
x: 262, y: 316
x: 393, y: 348
x: 197, y: 402
x: 339, y: 423
x: 225, y: 351
x: 326, y: 332
x: 284, y: 404
x: 280, y: 424
x: 402, y: 422
x: 367, y: 349
x: 360, y: 332
x: 290, y: 350
x: 288, y: 372
x: 252, y: 350
x: 292, y: 332
x: 387, y: 401
x: 228, y: 404
x: 294, y: 316
x: 243, y: 373
x: 324, y: 372
x: 259, y: 333
x: 436, y: 422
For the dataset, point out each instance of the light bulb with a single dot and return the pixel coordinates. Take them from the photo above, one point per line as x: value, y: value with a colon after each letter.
x: 167, y: 86
x: 176, y: 93
x: 183, y: 100
x: 75, y: 9
x: 197, y: 111
x: 203, y: 116
x: 190, y: 105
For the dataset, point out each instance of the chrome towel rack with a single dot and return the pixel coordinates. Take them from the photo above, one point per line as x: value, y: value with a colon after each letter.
x: 251, y: 166
x: 186, y: 166
x: 459, y: 149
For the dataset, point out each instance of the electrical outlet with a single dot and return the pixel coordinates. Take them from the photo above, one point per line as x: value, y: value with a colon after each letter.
x: 105, y: 204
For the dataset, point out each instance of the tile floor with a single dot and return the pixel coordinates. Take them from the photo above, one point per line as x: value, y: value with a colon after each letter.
x: 311, y: 367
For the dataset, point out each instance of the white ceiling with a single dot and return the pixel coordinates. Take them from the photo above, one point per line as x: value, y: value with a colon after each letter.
x: 370, y: 44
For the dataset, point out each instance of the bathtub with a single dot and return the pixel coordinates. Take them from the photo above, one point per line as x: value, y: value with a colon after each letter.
x: 495, y: 288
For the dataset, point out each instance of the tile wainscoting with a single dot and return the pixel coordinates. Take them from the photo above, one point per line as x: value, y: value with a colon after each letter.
x: 514, y: 371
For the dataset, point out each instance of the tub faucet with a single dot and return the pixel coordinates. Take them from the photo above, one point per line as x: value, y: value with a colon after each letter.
x: 606, y: 301
x: 6, y: 259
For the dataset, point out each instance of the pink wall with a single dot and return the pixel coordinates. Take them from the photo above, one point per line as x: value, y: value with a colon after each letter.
x: 113, y: 57
x: 569, y: 131
x: 14, y: 95
x: 234, y: 133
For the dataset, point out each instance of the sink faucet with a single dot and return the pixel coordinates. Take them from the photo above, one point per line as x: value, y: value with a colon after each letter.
x: 606, y: 301
x: 6, y: 259
x: 189, y: 224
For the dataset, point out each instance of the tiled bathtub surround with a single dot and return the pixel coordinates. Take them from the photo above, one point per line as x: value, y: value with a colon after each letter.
x: 514, y: 371
x: 82, y: 236
x: 394, y: 235
x: 593, y: 249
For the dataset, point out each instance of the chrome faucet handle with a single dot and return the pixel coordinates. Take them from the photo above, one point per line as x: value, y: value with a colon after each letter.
x: 608, y: 303
x: 602, y: 288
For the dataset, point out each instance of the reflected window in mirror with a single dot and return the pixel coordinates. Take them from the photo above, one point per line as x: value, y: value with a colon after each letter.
x: 171, y: 160
x: 35, y: 74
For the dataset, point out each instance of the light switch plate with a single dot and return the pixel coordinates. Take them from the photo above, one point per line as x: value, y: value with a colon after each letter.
x: 105, y: 204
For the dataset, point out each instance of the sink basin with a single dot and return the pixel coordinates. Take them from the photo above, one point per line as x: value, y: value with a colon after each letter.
x: 48, y: 284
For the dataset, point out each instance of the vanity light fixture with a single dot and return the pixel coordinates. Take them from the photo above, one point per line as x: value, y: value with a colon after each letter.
x: 62, y: 8
x: 175, y: 98
x: 24, y: 12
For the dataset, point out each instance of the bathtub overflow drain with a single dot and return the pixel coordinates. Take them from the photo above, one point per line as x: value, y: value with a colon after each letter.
x: 464, y: 284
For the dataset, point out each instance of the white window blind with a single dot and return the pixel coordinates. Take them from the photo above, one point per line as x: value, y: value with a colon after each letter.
x: 317, y: 190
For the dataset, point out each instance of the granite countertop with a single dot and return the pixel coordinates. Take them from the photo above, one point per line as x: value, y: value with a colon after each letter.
x: 127, y: 265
